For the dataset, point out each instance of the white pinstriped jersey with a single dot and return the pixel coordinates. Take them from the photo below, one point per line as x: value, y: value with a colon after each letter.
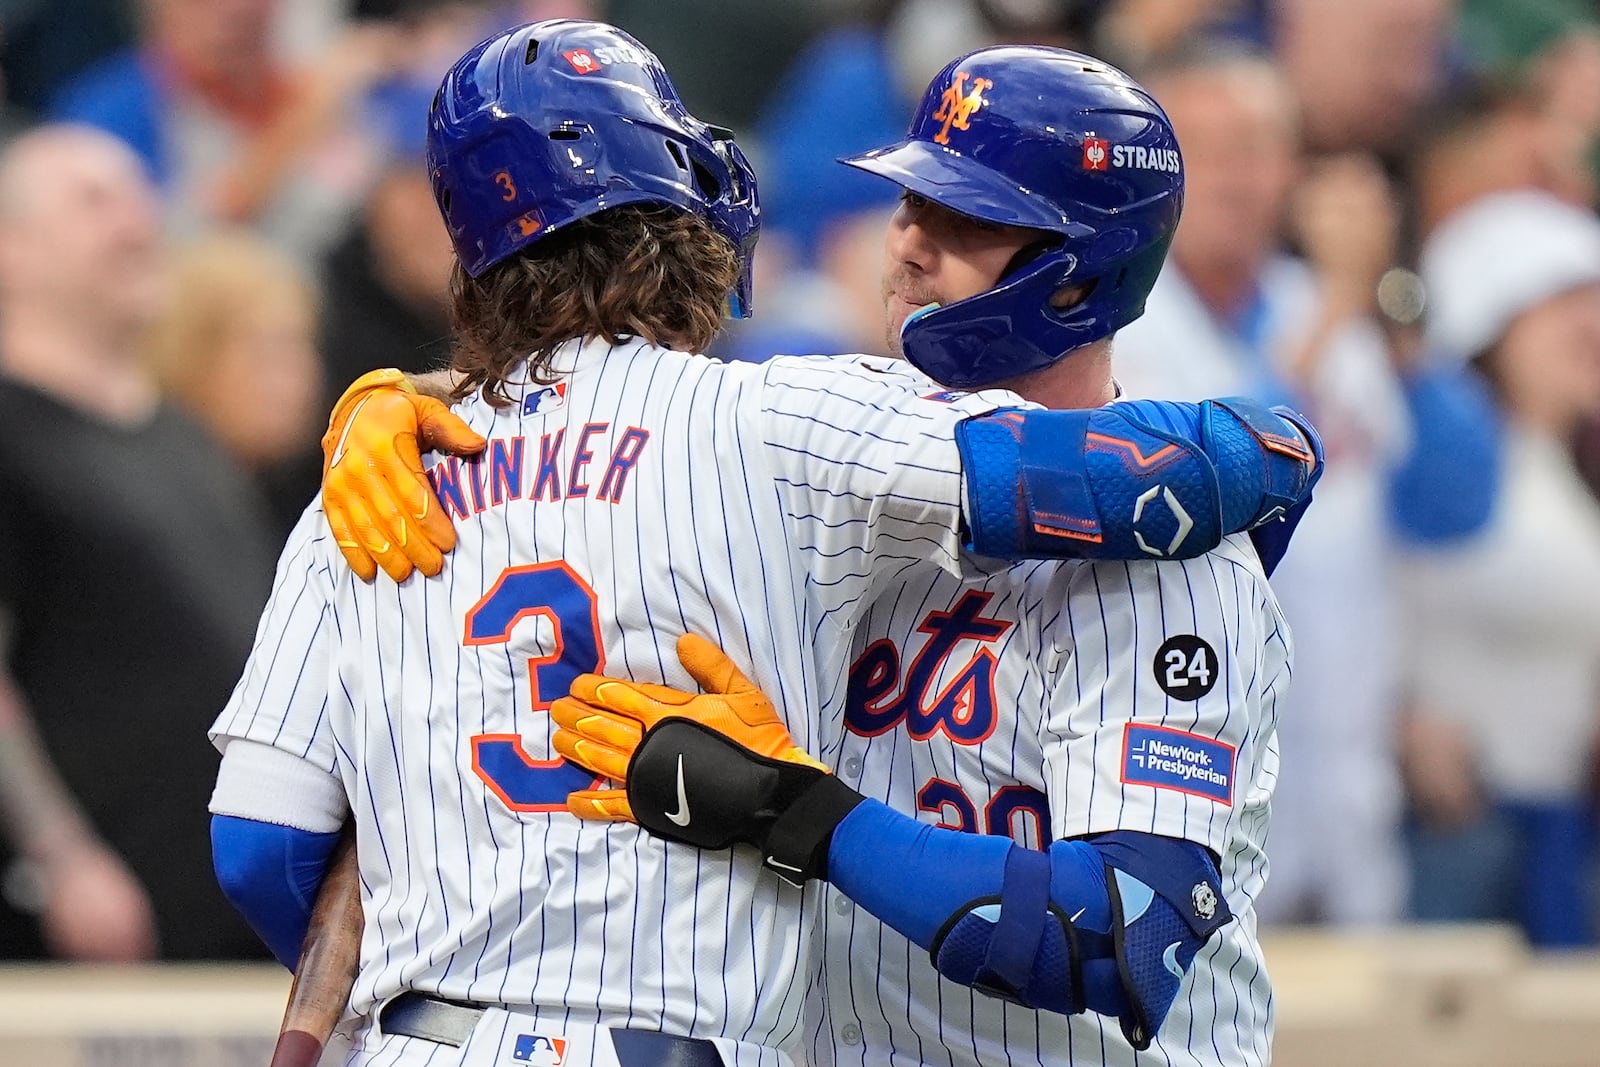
x: 1061, y: 700
x: 648, y: 494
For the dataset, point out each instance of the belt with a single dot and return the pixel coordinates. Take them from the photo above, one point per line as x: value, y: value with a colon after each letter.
x: 449, y: 1022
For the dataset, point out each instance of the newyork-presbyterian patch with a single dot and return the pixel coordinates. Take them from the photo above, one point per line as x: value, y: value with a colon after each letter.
x: 1165, y: 758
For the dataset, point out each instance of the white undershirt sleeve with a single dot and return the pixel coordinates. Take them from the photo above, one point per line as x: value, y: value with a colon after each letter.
x: 267, y: 784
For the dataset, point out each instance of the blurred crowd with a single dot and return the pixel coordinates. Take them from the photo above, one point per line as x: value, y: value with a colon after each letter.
x: 214, y: 214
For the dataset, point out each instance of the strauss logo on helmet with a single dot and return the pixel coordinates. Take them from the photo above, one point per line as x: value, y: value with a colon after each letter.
x: 1095, y: 154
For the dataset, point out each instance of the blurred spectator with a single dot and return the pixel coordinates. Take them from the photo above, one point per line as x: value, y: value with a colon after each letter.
x: 725, y: 57
x: 1506, y: 34
x: 228, y: 131
x: 1135, y: 33
x: 133, y: 566
x: 1365, y: 71
x: 237, y: 349
x: 1233, y: 314
x: 1566, y: 76
x: 44, y: 44
x: 387, y: 284
x: 851, y: 90
x: 1491, y: 140
x: 834, y: 306
x: 1505, y: 628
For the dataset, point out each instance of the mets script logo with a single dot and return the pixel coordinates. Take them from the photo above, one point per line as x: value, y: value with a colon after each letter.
x: 964, y: 708
x: 955, y: 108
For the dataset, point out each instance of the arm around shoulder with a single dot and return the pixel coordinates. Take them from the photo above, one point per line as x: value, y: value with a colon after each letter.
x: 1134, y: 480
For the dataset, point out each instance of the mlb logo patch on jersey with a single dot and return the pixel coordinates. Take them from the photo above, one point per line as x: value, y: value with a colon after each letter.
x: 539, y: 1050
x: 1165, y: 758
x: 545, y: 400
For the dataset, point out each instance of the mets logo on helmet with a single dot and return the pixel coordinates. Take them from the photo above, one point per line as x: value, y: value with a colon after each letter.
x: 955, y: 108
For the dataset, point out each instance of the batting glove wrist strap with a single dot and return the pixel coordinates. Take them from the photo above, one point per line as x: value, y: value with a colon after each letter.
x: 689, y: 783
x: 797, y: 845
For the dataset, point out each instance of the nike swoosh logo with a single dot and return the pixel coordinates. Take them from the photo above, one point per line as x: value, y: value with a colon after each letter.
x: 773, y: 862
x: 1169, y: 959
x: 1078, y: 916
x: 681, y: 816
x: 344, y: 435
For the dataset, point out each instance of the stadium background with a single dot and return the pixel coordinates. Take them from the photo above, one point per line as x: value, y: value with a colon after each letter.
x: 300, y: 248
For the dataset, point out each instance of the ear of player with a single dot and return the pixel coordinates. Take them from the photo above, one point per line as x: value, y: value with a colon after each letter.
x: 712, y: 770
x: 378, y: 502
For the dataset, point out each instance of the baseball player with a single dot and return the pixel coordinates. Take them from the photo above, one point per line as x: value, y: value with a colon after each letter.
x: 1103, y: 732
x: 624, y: 484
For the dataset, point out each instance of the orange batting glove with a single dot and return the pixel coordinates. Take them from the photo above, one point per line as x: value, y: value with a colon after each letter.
x: 603, y: 721
x: 378, y: 502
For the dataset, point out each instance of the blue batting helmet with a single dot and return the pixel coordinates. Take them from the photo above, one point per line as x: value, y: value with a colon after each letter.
x: 1058, y: 142
x: 549, y: 123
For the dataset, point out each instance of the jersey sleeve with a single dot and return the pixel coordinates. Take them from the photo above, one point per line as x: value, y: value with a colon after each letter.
x: 283, y: 697
x: 867, y: 471
x: 1164, y: 707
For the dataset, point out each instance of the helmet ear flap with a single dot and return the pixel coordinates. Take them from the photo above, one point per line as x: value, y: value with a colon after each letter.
x: 1048, y: 140
x: 1030, y: 252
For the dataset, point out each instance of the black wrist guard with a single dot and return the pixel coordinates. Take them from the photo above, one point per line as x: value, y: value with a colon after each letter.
x: 689, y: 783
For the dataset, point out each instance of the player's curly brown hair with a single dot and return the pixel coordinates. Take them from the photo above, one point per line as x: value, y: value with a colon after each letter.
x: 639, y: 270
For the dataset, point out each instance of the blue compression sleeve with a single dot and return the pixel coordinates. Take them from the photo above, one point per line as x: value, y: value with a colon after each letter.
x: 1445, y: 488
x: 947, y: 868
x: 271, y: 874
x: 940, y: 875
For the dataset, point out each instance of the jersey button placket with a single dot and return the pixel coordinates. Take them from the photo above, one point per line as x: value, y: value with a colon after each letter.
x: 852, y: 767
x: 841, y: 904
x: 850, y: 1034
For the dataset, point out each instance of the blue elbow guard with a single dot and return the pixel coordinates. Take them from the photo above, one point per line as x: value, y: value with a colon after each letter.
x: 1109, y: 925
x: 1130, y: 480
x: 1020, y: 946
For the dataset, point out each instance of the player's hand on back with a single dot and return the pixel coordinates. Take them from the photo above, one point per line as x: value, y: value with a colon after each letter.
x: 712, y: 769
x: 379, y: 504
x: 603, y: 721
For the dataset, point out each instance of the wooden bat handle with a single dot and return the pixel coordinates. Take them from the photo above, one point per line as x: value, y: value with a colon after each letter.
x: 328, y: 962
